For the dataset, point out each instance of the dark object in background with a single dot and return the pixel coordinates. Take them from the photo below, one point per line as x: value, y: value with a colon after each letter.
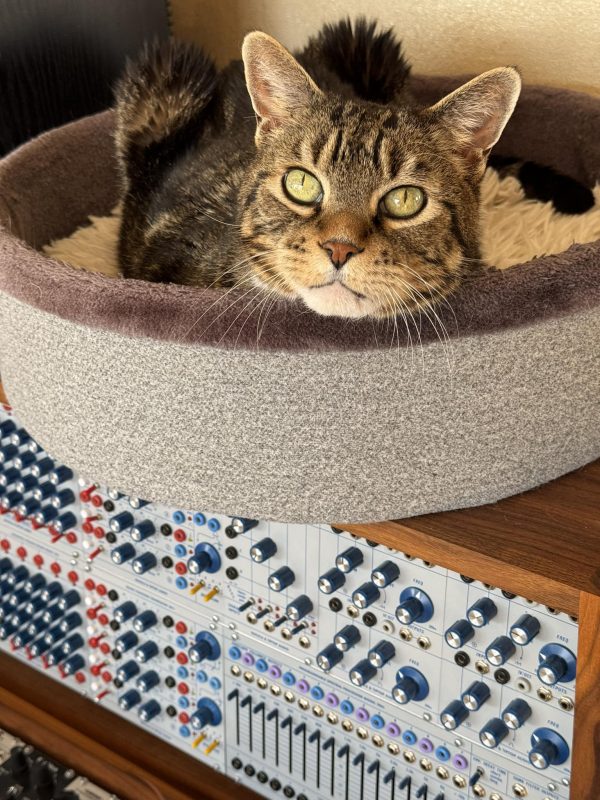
x: 59, y: 60
x: 543, y: 183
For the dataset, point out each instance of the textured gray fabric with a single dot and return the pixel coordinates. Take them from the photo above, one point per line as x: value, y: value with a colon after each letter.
x: 347, y: 436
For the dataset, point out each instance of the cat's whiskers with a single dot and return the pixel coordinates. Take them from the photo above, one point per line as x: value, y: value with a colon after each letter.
x: 398, y: 299
x: 430, y: 287
x: 245, y: 280
x: 422, y: 307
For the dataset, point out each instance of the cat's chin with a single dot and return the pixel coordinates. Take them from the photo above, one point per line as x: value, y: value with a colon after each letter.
x: 336, y: 300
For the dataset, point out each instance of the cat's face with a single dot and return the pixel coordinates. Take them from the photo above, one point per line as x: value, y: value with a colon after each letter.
x: 360, y: 209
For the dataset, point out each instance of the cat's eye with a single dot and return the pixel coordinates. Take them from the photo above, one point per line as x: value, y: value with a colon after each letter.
x: 302, y: 187
x: 403, y: 202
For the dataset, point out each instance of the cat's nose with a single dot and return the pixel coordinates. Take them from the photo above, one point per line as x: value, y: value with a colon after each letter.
x: 340, y: 252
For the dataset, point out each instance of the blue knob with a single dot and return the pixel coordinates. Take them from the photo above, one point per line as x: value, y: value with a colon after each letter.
x: 18, y: 597
x: 126, y: 641
x: 28, y: 506
x: 5, y: 611
x: 24, y: 460
x: 38, y: 648
x: 55, y: 656
x: 26, y: 484
x: 125, y: 612
x: 6, y: 428
x: 206, y: 558
x: 476, y: 695
x: 60, y: 475
x: 281, y: 579
x: 415, y: 606
x: 350, y: 559
x: 121, y: 522
x: 207, y: 713
x: 411, y: 684
x: 148, y: 681
x: 19, y: 437
x: 9, y: 476
x: 459, y: 633
x: 493, y: 733
x: 124, y: 552
x: 45, y: 515
x: 144, y: 563
x: 51, y: 591
x: 7, y: 452
x: 36, y: 626
x: 557, y: 664
x: 524, y: 629
x: 381, y: 653
x: 242, y: 524
x: 22, y: 638
x: 482, y: 612
x: 347, y: 637
x: 385, y: 574
x: 42, y: 467
x: 63, y: 523
x: 70, y: 622
x: 72, y: 643
x: 263, y: 550
x: 127, y: 671
x: 35, y: 583
x: 362, y: 672
x: 73, y: 664
x: 365, y: 595
x: 130, y: 699
x: 43, y: 491
x: 149, y: 711
x: 500, y: 650
x: 144, y: 621
x: 11, y: 500
x: 52, y: 613
x: 69, y: 599
x: 143, y: 530
x: 329, y: 657
x: 454, y: 715
x: 146, y: 651
x: 18, y: 575
x: 516, y: 713
x: 331, y: 581
x: 299, y: 608
x: 548, y: 749
x: 5, y: 565
x: 62, y: 499
x: 19, y: 618
x: 206, y: 647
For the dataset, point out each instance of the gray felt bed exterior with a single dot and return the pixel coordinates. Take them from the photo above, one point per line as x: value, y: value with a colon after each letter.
x: 321, y: 419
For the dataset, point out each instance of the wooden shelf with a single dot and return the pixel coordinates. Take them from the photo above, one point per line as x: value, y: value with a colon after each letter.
x: 544, y: 544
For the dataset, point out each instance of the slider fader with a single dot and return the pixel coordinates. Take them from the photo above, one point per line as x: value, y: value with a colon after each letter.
x: 297, y: 659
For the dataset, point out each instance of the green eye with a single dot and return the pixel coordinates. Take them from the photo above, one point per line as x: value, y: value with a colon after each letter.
x: 403, y: 202
x: 302, y: 187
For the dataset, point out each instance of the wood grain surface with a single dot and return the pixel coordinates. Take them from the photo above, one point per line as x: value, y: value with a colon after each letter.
x: 105, y: 748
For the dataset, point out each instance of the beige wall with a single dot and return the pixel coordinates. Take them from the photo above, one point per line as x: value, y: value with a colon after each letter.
x: 552, y: 41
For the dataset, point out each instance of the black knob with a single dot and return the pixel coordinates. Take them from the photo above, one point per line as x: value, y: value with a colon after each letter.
x: 18, y: 763
x: 43, y: 780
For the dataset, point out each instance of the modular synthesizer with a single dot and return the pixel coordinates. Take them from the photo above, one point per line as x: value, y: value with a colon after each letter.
x: 298, y: 660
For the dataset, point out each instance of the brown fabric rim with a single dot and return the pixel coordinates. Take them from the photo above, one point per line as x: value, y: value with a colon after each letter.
x: 50, y: 185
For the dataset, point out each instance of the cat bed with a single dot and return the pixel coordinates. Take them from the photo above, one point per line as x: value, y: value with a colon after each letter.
x: 196, y: 398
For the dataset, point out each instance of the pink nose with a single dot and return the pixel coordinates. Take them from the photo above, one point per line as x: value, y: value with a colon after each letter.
x: 340, y: 252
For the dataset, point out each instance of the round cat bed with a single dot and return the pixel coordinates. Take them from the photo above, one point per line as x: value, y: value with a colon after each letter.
x: 186, y: 396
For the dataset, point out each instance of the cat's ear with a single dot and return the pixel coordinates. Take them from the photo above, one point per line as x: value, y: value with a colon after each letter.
x: 477, y: 112
x: 277, y: 84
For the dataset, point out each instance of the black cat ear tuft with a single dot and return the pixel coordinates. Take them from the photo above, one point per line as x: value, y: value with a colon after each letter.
x: 279, y: 87
x: 477, y: 112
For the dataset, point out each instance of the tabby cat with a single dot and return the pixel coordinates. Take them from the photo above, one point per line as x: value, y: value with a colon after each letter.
x: 315, y: 178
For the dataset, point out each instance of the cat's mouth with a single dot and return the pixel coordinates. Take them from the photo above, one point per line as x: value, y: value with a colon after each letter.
x: 336, y: 299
